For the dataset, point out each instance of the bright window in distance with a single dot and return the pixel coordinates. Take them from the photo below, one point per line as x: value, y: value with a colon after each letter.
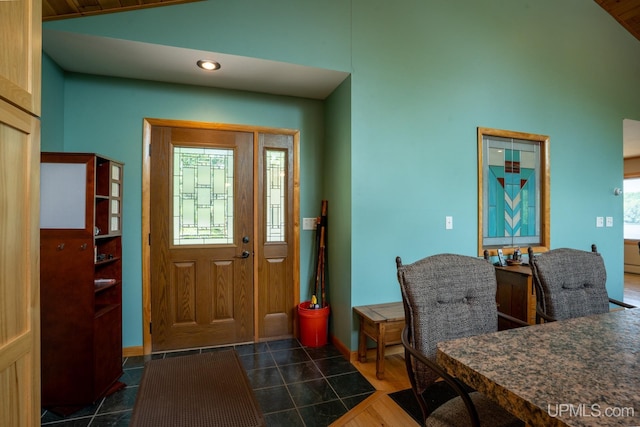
x: 631, y: 193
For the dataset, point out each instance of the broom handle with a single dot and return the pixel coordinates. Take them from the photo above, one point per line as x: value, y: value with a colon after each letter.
x: 323, y: 250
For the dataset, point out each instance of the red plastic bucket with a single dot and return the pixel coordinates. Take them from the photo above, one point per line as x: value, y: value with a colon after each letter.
x: 313, y: 324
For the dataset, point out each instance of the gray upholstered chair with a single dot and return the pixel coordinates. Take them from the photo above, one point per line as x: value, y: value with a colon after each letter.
x: 448, y: 296
x: 570, y: 283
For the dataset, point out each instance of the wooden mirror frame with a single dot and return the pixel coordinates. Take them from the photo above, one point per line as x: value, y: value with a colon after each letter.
x: 544, y: 208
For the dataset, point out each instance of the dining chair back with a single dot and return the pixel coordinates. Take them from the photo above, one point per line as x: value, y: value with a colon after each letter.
x: 570, y: 283
x: 448, y: 296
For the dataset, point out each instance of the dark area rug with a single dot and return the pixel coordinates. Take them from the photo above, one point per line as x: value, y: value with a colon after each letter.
x: 435, y: 396
x: 209, y: 389
x: 407, y: 401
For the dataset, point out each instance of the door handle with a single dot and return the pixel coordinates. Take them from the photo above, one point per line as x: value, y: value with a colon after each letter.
x: 245, y: 254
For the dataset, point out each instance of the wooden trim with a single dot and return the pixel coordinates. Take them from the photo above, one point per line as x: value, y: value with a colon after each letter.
x: 254, y: 238
x: 545, y: 186
x: 343, y: 349
x: 218, y: 126
x: 146, y: 231
x: 148, y: 124
x: 296, y: 228
x: 133, y: 351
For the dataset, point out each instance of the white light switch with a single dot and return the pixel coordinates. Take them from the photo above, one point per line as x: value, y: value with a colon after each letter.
x: 309, y: 223
x: 599, y: 221
x: 609, y: 221
x: 448, y: 222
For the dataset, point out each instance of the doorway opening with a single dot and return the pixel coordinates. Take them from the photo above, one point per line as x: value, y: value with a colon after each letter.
x: 220, y: 234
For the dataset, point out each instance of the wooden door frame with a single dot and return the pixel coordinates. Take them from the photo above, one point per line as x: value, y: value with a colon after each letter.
x: 148, y: 123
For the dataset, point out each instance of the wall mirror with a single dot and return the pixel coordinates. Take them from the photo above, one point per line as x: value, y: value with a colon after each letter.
x: 513, y: 191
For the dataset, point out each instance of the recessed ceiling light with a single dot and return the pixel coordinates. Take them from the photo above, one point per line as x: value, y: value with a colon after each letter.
x: 208, y: 65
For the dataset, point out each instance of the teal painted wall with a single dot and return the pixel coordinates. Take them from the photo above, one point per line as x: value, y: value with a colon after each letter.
x: 420, y: 91
x: 424, y: 75
x: 105, y: 115
x: 336, y: 181
x: 52, y: 119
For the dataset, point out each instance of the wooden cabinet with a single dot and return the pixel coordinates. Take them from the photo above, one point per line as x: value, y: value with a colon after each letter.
x: 20, y: 58
x: 516, y: 295
x: 81, y: 278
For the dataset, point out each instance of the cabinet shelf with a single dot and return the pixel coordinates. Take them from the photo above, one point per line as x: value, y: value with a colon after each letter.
x: 106, y: 236
x: 107, y: 261
x: 99, y: 287
x: 101, y: 310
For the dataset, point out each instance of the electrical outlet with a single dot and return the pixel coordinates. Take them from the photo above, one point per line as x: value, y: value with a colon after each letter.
x: 609, y: 222
x: 448, y: 222
x: 599, y: 221
x: 309, y: 223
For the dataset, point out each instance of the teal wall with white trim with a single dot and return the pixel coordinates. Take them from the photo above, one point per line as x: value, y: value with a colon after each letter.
x: 394, y: 148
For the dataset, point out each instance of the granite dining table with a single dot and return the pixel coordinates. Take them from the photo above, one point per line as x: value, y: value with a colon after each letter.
x: 577, y: 372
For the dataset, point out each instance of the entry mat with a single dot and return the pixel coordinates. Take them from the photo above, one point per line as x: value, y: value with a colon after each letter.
x: 208, y: 389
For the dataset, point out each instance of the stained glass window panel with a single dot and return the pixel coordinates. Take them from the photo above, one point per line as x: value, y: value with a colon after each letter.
x: 202, y: 196
x: 511, y: 185
x: 275, y: 179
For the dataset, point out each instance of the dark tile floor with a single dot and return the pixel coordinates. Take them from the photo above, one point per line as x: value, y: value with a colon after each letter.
x: 294, y: 385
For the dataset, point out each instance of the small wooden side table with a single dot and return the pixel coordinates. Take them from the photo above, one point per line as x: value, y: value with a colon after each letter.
x: 383, y: 323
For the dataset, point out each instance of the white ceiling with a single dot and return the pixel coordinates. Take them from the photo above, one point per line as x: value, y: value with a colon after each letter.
x: 88, y: 54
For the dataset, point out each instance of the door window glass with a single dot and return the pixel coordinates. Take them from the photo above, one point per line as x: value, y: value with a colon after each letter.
x: 276, y: 175
x: 202, y: 196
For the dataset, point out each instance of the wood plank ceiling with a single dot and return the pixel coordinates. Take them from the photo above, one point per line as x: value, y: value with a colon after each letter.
x: 61, y: 9
x: 626, y: 12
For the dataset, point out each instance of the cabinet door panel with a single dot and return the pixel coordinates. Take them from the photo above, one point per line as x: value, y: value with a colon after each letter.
x: 20, y: 56
x: 67, y: 316
x: 19, y: 274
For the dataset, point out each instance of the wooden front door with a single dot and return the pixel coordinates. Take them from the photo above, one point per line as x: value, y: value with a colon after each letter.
x: 201, y: 222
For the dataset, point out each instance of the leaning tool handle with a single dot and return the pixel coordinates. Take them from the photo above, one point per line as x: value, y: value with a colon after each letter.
x: 321, y: 264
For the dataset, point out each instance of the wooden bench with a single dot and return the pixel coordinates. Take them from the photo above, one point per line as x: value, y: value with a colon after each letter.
x: 383, y: 323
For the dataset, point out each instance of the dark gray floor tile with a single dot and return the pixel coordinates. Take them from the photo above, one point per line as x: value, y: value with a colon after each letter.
x: 269, y: 365
x: 311, y: 392
x: 353, y: 401
x: 260, y: 347
x: 289, y: 418
x: 132, y: 376
x: 283, y: 344
x: 323, y: 352
x: 257, y: 361
x: 119, y: 401
x: 181, y: 353
x: 75, y: 422
x: 335, y: 366
x: 266, y: 377
x: 214, y: 349
x: 289, y: 356
x: 135, y: 361
x: 50, y: 416
x: 274, y: 399
x: 322, y: 414
x: 298, y: 372
x: 114, y: 419
x: 350, y: 384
